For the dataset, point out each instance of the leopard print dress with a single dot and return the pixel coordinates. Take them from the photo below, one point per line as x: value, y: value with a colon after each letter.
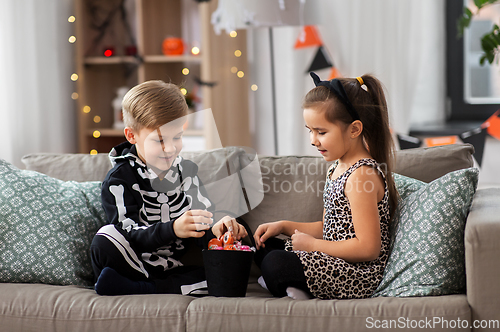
x: 330, y: 277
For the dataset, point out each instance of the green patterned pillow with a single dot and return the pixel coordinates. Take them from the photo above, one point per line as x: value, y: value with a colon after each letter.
x: 427, y: 256
x: 46, y: 227
x: 405, y: 186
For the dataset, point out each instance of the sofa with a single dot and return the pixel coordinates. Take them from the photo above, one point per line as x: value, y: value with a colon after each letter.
x: 292, y: 188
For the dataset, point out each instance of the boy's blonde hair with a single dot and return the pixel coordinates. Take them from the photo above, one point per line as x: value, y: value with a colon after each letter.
x: 152, y: 104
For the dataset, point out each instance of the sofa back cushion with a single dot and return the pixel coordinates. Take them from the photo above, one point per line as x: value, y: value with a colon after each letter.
x: 431, y: 163
x: 69, y: 166
x: 424, y: 164
x: 293, y: 186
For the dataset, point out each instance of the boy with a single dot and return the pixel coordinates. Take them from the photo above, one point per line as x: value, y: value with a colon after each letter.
x: 153, y: 200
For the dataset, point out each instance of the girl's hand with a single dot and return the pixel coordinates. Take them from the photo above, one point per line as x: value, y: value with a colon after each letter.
x: 193, y: 223
x: 302, y: 241
x: 227, y: 223
x: 265, y: 231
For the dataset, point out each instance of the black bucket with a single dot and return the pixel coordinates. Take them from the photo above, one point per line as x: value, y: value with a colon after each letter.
x: 227, y: 272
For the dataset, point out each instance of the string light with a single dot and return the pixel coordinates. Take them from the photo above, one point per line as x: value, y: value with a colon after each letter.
x: 233, y: 34
x: 195, y: 50
x: 240, y: 74
x: 74, y: 77
x: 237, y: 53
x: 97, y: 119
x: 96, y: 134
x: 184, y: 91
x: 93, y: 152
x: 254, y: 87
x: 234, y: 70
x: 86, y: 109
x: 185, y: 71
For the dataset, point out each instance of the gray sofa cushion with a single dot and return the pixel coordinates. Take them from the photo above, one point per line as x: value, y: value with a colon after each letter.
x: 293, y: 186
x: 428, y: 164
x: 69, y: 167
x: 290, y: 183
x: 37, y: 307
x: 285, y: 314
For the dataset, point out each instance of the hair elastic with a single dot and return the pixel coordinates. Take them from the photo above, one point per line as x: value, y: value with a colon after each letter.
x: 362, y: 83
x: 337, y: 88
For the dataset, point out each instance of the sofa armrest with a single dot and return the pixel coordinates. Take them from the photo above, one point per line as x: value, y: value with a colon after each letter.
x: 482, y: 255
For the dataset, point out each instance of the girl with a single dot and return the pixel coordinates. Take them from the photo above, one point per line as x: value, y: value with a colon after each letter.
x: 344, y: 255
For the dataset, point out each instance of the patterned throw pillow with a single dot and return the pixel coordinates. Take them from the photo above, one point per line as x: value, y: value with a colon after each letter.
x: 427, y: 256
x: 46, y: 227
x: 405, y: 186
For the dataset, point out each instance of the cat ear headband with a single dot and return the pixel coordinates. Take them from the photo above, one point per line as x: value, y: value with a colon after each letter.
x: 337, y: 88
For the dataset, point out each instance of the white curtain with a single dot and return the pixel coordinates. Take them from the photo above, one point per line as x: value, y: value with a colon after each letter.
x: 400, y: 42
x: 36, y: 62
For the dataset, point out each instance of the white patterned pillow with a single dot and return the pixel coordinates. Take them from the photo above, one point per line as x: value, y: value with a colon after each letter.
x: 46, y: 227
x: 427, y: 256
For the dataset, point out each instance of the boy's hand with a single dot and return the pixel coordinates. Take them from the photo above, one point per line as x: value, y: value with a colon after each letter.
x: 226, y: 223
x: 193, y: 223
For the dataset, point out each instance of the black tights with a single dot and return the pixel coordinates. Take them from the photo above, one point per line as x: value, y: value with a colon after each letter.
x: 280, y: 269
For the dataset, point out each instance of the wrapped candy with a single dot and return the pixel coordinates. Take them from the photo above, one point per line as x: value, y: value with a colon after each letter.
x: 214, y: 244
x: 227, y: 242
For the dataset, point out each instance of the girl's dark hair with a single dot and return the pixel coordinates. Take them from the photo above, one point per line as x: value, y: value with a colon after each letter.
x: 371, y: 106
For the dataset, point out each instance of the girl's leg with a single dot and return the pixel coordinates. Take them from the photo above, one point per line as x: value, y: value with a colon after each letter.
x: 271, y: 244
x: 281, y: 270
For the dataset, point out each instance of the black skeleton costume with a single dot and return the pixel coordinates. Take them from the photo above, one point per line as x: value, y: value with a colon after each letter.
x: 141, y: 209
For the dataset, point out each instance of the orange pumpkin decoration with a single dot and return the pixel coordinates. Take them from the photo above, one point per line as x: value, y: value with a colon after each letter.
x: 173, y: 46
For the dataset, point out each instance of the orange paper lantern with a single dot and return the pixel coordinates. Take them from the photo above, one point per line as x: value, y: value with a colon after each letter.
x: 308, y: 37
x: 492, y: 125
x: 173, y: 46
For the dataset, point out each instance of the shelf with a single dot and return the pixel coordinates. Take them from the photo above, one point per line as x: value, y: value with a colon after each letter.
x: 112, y: 60
x: 171, y: 58
x: 116, y: 60
x: 110, y: 132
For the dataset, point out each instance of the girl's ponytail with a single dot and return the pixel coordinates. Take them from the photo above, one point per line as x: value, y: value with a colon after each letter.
x: 370, y: 102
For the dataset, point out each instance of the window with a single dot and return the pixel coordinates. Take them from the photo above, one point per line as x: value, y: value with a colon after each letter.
x: 473, y: 91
